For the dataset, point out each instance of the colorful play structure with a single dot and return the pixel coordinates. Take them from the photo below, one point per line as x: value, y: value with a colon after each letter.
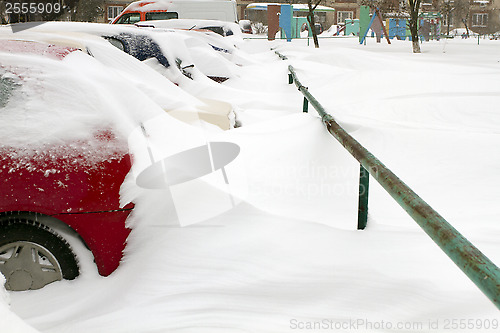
x: 286, y: 18
x: 370, y: 19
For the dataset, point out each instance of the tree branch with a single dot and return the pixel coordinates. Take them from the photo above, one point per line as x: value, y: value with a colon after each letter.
x: 316, y: 5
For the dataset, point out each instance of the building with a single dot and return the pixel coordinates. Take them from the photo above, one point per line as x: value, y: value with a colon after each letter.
x: 479, y: 16
x: 112, y: 8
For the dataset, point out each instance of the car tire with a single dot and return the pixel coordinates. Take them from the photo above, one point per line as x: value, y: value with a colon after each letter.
x: 33, y: 255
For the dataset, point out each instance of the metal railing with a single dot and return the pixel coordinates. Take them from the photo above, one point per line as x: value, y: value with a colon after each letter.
x: 481, y: 270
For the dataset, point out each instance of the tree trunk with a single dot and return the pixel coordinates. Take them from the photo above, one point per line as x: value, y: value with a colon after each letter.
x: 448, y: 25
x: 416, y: 46
x: 312, y: 23
x: 465, y: 24
x: 413, y: 24
x: 414, y: 34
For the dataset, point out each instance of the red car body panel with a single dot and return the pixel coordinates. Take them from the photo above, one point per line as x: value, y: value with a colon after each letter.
x: 65, y: 186
x: 78, y: 182
x: 104, y: 233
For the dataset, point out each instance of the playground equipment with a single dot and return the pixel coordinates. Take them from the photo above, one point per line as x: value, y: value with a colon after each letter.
x: 281, y: 17
x: 429, y: 26
x: 376, y: 24
x: 351, y: 27
x: 397, y: 28
x: 290, y: 19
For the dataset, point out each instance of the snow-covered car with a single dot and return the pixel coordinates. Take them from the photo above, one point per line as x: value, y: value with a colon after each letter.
x: 62, y: 163
x: 158, y: 75
x: 246, y: 26
x: 206, y: 56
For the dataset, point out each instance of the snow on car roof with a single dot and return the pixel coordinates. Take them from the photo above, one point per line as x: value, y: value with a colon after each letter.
x: 147, y: 5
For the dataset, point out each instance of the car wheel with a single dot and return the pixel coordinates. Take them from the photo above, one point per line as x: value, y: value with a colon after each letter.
x: 33, y: 255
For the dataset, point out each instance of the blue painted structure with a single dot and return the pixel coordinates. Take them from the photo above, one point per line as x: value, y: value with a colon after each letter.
x: 286, y: 21
x: 397, y: 28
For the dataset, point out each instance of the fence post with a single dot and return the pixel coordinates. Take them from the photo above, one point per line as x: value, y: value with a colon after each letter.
x: 305, y: 105
x: 364, y: 181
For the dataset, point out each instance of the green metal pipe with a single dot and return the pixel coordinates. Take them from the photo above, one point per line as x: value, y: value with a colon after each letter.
x: 481, y: 270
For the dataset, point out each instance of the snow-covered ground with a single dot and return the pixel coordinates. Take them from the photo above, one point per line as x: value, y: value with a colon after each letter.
x: 288, y: 257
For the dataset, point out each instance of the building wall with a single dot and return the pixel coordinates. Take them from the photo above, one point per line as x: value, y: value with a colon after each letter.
x: 342, y: 8
x: 112, y: 9
x: 484, y: 17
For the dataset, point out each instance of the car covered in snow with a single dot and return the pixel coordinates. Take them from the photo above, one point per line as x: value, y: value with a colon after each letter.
x: 67, y: 104
x: 61, y: 167
x: 144, y: 47
x: 165, y: 62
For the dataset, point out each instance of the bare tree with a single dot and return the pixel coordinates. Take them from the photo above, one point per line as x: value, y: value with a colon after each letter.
x: 312, y: 5
x: 461, y: 9
x: 413, y: 10
x: 446, y: 7
x: 88, y: 10
x: 383, y: 6
x: 4, y: 18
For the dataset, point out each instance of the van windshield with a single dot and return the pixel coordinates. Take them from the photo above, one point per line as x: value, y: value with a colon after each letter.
x: 129, y: 18
x: 161, y: 16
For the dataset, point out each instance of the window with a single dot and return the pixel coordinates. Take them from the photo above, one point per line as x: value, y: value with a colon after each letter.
x: 114, y: 11
x: 342, y: 16
x: 116, y: 43
x: 161, y: 16
x: 130, y: 18
x: 479, y: 20
x: 446, y: 18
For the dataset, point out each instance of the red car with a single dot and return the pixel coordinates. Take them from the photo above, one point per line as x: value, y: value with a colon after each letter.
x: 53, y: 189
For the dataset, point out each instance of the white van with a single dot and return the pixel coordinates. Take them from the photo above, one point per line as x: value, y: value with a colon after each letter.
x: 148, y: 10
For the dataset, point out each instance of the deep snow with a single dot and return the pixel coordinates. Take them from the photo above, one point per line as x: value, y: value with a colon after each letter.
x: 288, y: 255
